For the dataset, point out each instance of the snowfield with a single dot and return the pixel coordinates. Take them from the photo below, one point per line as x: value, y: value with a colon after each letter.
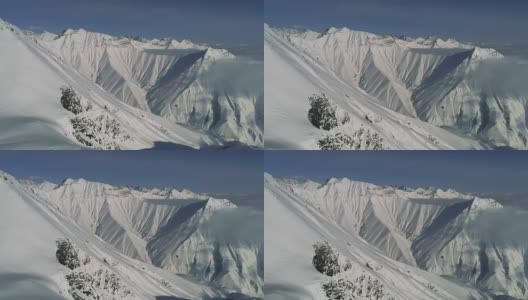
x: 427, y: 229
x: 415, y: 93
x: 141, y: 93
x: 157, y: 244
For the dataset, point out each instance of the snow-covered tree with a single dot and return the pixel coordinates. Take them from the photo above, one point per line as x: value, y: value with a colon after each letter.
x: 337, y: 141
x: 101, y: 284
x: 81, y: 285
x: 66, y: 254
x: 326, y: 260
x: 359, y: 140
x: 322, y: 113
x: 70, y: 100
x: 361, y: 287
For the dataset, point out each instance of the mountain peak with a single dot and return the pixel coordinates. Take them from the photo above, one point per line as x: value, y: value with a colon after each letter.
x: 185, y: 194
x: 480, y: 204
x: 71, y: 31
x: 7, y: 25
x: 214, y: 54
x: 5, y: 175
x: 333, y: 30
x: 216, y: 204
x: 347, y: 181
x: 70, y: 181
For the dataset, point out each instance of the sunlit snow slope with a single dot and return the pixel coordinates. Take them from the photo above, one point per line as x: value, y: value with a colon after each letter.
x: 205, y: 88
x: 433, y: 80
x: 430, y: 228
x: 293, y: 225
x: 29, y: 227
x: 179, y: 231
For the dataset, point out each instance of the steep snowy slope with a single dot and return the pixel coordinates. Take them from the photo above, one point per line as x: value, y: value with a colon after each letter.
x: 429, y: 228
x: 32, y: 116
x: 292, y: 75
x: 434, y: 80
x: 293, y: 226
x: 205, y: 88
x: 30, y: 270
x: 174, y: 230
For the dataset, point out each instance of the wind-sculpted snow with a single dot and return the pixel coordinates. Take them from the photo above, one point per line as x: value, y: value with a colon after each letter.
x: 179, y: 231
x: 294, y: 225
x: 434, y: 229
x: 293, y: 74
x: 32, y: 116
x: 434, y: 80
x: 30, y: 225
x: 202, y: 87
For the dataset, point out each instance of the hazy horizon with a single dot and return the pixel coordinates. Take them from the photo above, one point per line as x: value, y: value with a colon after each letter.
x: 212, y: 172
x: 489, y: 21
x: 465, y: 171
x: 231, y: 22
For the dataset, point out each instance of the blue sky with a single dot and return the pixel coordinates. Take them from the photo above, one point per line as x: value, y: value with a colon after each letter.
x: 470, y: 171
x: 470, y: 20
x: 213, y: 21
x: 226, y: 172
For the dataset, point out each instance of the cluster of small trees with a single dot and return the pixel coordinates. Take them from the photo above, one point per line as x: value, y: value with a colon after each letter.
x: 359, y: 140
x: 323, y: 115
x: 99, y: 285
x: 91, y: 132
x: 327, y: 261
x: 99, y: 132
x: 81, y: 285
x: 363, y: 286
x: 84, y: 285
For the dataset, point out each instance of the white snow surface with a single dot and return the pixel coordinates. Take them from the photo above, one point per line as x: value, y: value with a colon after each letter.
x: 293, y: 225
x: 429, y: 80
x: 429, y: 228
x: 170, y: 229
x: 29, y: 269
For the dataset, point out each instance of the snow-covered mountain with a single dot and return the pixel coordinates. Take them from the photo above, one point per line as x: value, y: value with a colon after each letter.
x: 29, y: 269
x: 157, y: 242
x: 435, y: 81
x: 294, y: 225
x: 171, y: 229
x: 429, y: 228
x: 137, y: 94
x: 186, y: 83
